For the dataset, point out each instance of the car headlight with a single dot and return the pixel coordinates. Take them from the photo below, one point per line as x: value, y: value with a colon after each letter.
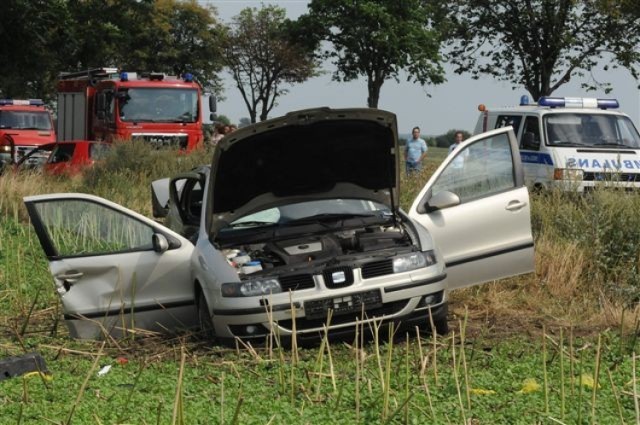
x: 575, y: 174
x: 415, y: 260
x: 251, y: 288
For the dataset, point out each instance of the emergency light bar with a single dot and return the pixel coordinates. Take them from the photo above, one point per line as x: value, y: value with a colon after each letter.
x: 188, y: 77
x: 577, y: 102
x: 30, y: 102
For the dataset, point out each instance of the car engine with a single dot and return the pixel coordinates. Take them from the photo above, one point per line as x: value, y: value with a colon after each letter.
x: 318, y: 249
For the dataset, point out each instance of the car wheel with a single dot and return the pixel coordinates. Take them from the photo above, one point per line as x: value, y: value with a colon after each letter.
x: 442, y: 327
x: 204, y: 319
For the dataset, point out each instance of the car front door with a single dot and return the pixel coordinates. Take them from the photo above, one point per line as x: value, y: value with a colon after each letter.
x: 476, y: 206
x: 116, y: 271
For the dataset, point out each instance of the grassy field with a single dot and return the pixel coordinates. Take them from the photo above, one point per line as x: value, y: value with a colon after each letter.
x: 557, y: 346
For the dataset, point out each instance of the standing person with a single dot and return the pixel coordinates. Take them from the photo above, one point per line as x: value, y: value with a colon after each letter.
x: 415, y: 151
x: 458, y: 162
x: 458, y: 138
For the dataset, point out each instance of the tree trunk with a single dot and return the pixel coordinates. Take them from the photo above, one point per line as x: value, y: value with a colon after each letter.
x: 374, y: 93
x: 374, y: 84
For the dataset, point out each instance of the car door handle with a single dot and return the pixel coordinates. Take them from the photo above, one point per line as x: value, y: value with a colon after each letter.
x: 515, y: 205
x: 71, y: 276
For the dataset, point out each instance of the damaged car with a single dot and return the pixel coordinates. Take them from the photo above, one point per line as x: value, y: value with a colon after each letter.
x: 294, y: 226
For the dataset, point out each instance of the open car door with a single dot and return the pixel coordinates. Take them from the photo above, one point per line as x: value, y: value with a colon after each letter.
x: 115, y: 270
x: 476, y: 207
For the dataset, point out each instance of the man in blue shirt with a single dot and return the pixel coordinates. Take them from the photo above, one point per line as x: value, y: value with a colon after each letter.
x: 415, y: 151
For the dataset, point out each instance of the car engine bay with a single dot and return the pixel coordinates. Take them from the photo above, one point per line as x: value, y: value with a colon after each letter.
x: 319, y: 250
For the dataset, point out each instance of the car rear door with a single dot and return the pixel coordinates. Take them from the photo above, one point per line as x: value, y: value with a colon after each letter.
x: 476, y: 206
x: 115, y: 270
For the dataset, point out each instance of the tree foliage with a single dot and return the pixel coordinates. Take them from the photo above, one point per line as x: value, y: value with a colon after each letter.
x: 34, y: 36
x: 378, y: 39
x: 47, y: 37
x: 542, y: 44
x: 262, y: 57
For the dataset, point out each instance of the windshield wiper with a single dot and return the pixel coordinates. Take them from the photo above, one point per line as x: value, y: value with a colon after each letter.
x: 252, y: 224
x: 568, y: 144
x: 330, y: 217
x: 620, y: 145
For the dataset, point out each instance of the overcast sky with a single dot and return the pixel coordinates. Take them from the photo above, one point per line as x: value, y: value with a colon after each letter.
x: 452, y: 105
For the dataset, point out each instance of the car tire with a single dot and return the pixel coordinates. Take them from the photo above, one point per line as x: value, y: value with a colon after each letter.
x: 442, y: 326
x: 204, y: 319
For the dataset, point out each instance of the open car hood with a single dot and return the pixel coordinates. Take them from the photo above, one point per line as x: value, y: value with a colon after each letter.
x: 306, y: 155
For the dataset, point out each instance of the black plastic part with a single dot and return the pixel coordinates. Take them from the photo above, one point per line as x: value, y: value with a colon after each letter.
x: 10, y: 367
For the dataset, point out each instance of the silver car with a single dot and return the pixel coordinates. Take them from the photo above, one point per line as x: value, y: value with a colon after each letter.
x: 295, y: 226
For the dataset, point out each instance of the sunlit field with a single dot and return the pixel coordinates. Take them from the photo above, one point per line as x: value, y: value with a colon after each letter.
x: 556, y: 346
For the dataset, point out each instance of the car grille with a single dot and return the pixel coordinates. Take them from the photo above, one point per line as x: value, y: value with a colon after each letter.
x: 338, y: 277
x: 385, y: 310
x: 612, y: 177
x: 296, y: 282
x: 377, y: 268
x: 35, y: 160
x: 163, y: 141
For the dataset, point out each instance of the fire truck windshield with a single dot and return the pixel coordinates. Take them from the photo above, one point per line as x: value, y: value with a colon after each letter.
x: 25, y: 120
x: 158, y: 105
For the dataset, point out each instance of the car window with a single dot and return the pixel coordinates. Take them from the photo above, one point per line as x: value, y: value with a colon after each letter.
x: 82, y: 228
x: 531, y: 132
x: 590, y: 130
x: 62, y: 153
x: 480, y: 169
x: 509, y: 120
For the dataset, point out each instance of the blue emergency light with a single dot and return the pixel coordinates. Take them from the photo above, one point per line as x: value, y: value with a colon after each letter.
x: 577, y: 102
x: 188, y: 77
x: 524, y: 100
x: 30, y: 102
x: 124, y: 76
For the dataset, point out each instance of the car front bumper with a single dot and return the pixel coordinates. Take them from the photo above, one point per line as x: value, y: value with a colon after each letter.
x: 408, y: 300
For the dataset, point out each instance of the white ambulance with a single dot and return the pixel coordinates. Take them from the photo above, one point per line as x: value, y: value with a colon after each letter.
x: 571, y: 143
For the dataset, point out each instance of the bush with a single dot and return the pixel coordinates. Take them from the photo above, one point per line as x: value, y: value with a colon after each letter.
x: 604, y: 224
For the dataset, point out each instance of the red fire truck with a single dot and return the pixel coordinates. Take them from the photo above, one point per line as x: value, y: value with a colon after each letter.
x: 104, y: 104
x: 24, y: 125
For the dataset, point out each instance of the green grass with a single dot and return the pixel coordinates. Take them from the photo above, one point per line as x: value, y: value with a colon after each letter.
x: 586, y: 285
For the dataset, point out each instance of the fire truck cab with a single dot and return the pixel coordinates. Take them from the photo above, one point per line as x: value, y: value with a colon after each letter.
x: 104, y: 104
x: 24, y: 125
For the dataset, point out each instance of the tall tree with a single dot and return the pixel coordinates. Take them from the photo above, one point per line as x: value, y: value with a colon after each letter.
x: 172, y: 36
x: 45, y: 37
x: 542, y: 44
x: 378, y: 39
x: 262, y: 57
x: 34, y: 35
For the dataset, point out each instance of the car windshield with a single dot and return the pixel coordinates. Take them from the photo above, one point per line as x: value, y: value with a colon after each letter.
x: 592, y: 130
x: 312, y: 211
x: 25, y: 120
x: 158, y: 105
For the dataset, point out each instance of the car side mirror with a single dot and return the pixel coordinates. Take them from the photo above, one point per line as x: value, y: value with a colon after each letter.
x: 442, y: 200
x: 213, y: 107
x: 529, y: 142
x: 159, y: 242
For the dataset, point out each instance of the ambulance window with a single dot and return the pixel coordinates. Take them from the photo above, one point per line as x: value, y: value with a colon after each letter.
x: 509, y: 120
x: 530, y: 138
